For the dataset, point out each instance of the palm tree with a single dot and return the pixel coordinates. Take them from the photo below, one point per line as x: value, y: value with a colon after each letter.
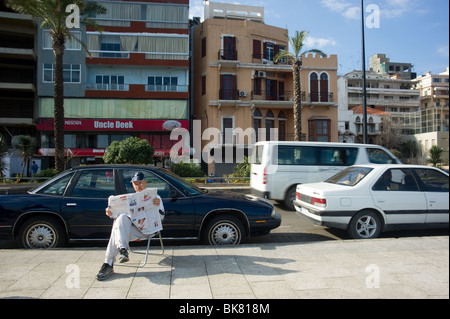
x: 25, y: 146
x: 296, y: 43
x: 53, y: 15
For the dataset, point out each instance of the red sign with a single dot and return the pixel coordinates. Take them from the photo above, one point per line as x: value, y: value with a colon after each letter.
x: 113, y: 125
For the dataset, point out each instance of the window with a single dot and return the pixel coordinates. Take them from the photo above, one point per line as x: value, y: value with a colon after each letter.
x: 72, y: 44
x: 257, y: 116
x: 396, y: 180
x: 110, y: 47
x: 153, y: 181
x: 95, y: 184
x: 228, y: 87
x: 71, y: 73
x: 270, y: 124
x: 203, y: 85
x: 162, y: 83
x: 281, y: 126
x: 350, y: 176
x: 203, y: 47
x: 58, y: 187
x: 227, y: 130
x: 110, y: 82
x: 314, y: 87
x: 432, y: 180
x: 378, y: 156
x: 319, y: 130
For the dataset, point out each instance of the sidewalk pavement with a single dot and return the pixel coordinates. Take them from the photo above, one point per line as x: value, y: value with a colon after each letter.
x: 380, y: 268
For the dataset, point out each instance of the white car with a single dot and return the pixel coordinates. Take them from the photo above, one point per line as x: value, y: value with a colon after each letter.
x: 366, y: 200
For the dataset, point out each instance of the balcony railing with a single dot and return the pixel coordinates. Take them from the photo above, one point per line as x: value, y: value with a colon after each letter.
x: 166, y: 88
x: 261, y: 95
x: 227, y: 55
x: 107, y: 87
x: 228, y: 94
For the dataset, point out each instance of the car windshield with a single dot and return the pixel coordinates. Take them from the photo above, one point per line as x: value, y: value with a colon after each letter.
x: 188, y: 188
x: 350, y: 176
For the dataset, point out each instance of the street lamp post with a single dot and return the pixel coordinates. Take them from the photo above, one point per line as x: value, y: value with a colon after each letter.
x: 364, y: 74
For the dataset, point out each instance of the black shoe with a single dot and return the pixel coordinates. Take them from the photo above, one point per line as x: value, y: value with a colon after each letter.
x: 105, y: 272
x: 123, y: 255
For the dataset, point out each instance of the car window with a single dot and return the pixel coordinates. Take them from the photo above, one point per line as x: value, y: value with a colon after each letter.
x: 296, y: 155
x: 378, y: 156
x: 432, y: 180
x: 396, y: 180
x: 58, y: 187
x: 94, y: 184
x: 153, y: 181
x: 337, y: 156
x: 350, y: 176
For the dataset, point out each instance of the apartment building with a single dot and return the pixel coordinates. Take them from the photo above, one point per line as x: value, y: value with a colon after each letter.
x: 135, y: 82
x: 434, y: 111
x: 238, y: 86
x: 386, y: 93
x: 380, y: 64
x: 17, y: 83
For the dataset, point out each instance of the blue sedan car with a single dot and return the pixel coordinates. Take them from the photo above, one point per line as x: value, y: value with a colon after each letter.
x: 72, y: 205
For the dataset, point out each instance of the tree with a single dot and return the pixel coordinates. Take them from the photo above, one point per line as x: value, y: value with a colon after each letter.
x: 133, y: 150
x: 435, y: 155
x: 54, y: 16
x: 296, y: 43
x: 25, y: 146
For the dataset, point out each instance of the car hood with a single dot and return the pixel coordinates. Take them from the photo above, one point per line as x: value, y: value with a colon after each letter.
x: 247, y: 199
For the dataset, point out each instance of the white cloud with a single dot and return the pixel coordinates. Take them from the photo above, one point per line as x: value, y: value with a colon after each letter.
x: 196, y: 9
x: 443, y: 51
x: 345, y: 8
x: 319, y: 43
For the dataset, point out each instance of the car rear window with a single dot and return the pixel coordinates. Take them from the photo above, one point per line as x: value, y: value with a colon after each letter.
x: 350, y: 176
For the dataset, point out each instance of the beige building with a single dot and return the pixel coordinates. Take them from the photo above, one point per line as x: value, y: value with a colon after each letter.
x: 239, y: 88
x: 434, y: 112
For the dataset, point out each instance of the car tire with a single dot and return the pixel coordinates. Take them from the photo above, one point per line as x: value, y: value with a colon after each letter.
x: 42, y: 232
x: 224, y: 230
x: 290, y: 198
x: 365, y: 225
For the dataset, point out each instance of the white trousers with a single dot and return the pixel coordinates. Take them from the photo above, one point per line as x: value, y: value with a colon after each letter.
x: 122, y: 232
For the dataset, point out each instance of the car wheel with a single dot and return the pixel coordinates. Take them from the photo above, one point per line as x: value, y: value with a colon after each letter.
x: 290, y: 198
x: 365, y: 225
x: 41, y: 232
x: 224, y: 230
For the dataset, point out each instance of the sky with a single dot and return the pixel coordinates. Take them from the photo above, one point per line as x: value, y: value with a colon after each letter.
x: 409, y: 31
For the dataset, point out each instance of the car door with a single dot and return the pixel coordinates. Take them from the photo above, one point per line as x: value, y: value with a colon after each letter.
x: 435, y: 186
x: 397, y: 194
x: 85, y: 202
x: 180, y: 216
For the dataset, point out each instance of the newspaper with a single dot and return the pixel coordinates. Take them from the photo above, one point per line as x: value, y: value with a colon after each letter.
x: 139, y: 208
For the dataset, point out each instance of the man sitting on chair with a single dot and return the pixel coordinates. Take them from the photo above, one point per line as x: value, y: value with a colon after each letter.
x: 123, y: 231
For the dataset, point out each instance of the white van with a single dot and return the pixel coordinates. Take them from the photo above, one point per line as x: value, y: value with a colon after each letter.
x: 277, y: 167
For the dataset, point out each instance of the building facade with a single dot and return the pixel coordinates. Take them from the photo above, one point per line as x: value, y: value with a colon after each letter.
x: 133, y: 82
x: 434, y: 112
x: 385, y: 93
x: 17, y: 84
x: 238, y: 85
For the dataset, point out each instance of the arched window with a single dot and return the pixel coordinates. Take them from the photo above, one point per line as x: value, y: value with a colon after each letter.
x: 324, y: 96
x: 270, y: 123
x: 281, y: 126
x: 314, y: 87
x: 257, y: 118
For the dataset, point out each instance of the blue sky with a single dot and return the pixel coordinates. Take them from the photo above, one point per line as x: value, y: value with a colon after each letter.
x: 414, y: 31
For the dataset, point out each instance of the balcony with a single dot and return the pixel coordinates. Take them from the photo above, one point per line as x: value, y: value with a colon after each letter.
x: 98, y: 90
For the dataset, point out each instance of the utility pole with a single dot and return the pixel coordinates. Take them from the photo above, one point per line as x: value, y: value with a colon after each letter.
x: 364, y: 73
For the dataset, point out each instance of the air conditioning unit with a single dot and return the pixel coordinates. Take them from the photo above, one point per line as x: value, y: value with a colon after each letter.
x: 262, y: 74
x: 242, y: 93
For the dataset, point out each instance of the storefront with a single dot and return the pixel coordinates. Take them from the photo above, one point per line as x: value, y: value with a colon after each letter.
x: 86, y: 139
